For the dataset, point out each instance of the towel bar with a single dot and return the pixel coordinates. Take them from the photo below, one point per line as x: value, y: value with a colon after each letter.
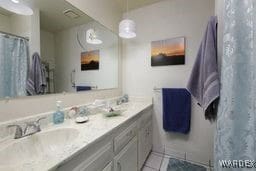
x: 157, y: 89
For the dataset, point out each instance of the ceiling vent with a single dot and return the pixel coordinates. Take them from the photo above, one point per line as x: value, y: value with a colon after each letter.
x: 71, y: 14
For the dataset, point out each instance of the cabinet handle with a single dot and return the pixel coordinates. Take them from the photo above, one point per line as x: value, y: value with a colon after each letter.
x: 119, y: 166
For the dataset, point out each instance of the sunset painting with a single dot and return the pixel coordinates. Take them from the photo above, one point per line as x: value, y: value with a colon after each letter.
x: 90, y: 60
x: 168, y: 52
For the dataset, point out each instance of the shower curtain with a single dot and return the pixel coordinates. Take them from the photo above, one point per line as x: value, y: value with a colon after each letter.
x: 14, y: 59
x: 235, y: 137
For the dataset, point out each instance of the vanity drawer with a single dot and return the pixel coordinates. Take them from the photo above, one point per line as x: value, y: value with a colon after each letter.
x: 96, y: 159
x: 123, y: 138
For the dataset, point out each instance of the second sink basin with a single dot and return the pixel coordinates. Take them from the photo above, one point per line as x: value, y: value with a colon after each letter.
x: 35, y: 147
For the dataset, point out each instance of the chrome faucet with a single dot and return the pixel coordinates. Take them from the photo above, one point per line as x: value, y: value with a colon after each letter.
x: 30, y: 128
x: 18, y: 131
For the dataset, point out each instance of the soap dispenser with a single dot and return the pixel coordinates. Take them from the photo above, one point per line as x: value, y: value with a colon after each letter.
x: 58, y: 116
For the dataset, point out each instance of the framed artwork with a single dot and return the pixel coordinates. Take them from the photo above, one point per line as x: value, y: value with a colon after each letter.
x: 90, y: 60
x: 168, y: 52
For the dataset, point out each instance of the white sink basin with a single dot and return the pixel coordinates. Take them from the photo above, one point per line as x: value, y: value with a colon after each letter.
x: 31, y: 149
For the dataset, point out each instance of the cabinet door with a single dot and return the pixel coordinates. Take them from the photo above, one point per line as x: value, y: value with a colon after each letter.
x: 142, y: 147
x: 145, y: 143
x: 149, y: 140
x: 126, y: 160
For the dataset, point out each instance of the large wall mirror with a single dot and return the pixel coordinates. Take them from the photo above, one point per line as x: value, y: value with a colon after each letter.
x: 57, y: 49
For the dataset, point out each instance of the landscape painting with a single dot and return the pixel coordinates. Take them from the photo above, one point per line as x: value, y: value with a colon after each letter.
x: 168, y: 52
x: 90, y: 60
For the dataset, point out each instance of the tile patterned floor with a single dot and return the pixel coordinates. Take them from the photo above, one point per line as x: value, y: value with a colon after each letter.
x: 158, y: 162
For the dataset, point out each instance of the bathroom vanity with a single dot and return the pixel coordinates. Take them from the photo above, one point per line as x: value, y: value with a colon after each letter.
x: 124, y: 147
x: 120, y: 143
x: 76, y: 54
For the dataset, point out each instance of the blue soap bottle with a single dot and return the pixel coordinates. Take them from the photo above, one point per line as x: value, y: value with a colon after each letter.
x: 58, y: 116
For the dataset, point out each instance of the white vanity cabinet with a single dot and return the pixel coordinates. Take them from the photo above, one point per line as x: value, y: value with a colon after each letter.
x: 125, y: 148
x: 126, y: 160
x: 145, y: 137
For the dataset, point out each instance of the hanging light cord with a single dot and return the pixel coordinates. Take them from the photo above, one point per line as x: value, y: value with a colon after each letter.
x: 127, y: 13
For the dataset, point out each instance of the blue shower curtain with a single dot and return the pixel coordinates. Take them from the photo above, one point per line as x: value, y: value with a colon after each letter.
x: 14, y: 59
x: 235, y: 137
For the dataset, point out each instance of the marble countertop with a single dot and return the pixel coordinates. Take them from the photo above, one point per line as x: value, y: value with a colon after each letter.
x: 97, y: 127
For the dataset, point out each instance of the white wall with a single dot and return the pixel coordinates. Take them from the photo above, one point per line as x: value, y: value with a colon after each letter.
x: 5, y: 23
x: 21, y: 107
x: 34, y: 38
x: 168, y: 19
x: 48, y: 47
x: 68, y: 58
x: 20, y: 25
x: 106, y: 12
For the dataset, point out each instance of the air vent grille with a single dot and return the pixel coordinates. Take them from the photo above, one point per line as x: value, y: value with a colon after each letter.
x: 71, y: 14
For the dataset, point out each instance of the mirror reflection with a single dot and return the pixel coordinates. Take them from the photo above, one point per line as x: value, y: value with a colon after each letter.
x: 56, y: 48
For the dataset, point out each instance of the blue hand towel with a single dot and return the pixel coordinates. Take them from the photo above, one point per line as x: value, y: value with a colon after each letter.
x: 176, y: 110
x: 83, y: 88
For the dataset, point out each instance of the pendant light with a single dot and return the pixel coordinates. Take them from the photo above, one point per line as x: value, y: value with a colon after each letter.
x: 127, y: 27
x: 92, y: 38
x: 16, y: 7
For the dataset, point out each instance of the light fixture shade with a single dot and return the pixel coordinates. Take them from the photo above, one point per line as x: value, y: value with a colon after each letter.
x: 127, y: 29
x: 92, y: 38
x: 16, y: 7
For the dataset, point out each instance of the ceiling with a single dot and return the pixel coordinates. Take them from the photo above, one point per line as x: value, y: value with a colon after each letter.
x: 52, y: 18
x: 134, y: 4
x: 5, y: 12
